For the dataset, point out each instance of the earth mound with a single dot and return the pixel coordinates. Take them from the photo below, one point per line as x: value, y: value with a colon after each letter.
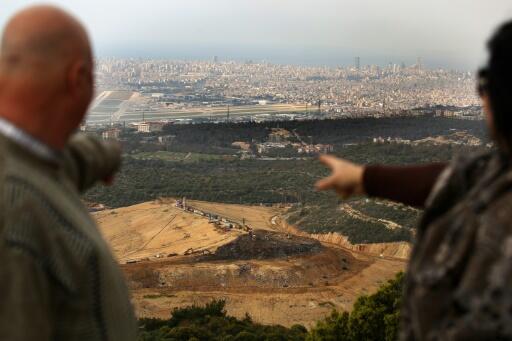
x: 262, y: 244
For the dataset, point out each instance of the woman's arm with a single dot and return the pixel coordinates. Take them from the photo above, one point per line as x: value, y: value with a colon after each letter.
x: 409, y: 185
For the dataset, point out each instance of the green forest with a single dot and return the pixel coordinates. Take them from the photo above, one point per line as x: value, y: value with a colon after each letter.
x: 208, y: 137
x: 374, y: 318
x: 227, y: 178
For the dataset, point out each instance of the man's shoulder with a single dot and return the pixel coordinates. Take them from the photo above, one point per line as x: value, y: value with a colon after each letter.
x: 32, y: 225
x: 27, y: 199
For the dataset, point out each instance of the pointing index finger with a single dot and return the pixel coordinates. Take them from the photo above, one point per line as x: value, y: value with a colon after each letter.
x: 328, y: 160
x: 325, y: 183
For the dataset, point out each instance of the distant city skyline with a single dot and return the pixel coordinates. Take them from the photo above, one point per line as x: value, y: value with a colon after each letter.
x: 449, y: 34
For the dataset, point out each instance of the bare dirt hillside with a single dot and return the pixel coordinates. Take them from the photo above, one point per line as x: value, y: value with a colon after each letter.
x: 154, y: 230
x: 270, y: 218
x: 257, y: 263
x: 401, y: 250
x: 259, y: 217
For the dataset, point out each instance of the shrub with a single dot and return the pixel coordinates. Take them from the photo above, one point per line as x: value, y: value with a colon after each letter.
x: 375, y: 317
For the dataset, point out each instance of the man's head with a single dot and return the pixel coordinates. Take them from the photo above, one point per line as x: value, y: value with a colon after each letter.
x: 46, y: 73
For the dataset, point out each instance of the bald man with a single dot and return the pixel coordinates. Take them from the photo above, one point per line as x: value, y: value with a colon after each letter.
x: 58, y: 279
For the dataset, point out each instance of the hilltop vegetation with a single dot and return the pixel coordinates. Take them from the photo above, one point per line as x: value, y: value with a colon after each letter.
x: 327, y: 217
x: 214, y: 137
x: 374, y: 317
x: 212, y: 173
x: 211, y: 323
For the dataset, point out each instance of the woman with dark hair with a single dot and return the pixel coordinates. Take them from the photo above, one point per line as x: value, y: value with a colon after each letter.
x: 459, y: 279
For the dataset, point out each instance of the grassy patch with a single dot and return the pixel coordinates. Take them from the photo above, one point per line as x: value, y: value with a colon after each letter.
x: 180, y: 157
x: 155, y: 296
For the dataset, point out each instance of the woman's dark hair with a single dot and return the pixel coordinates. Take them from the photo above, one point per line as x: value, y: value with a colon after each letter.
x: 498, y: 83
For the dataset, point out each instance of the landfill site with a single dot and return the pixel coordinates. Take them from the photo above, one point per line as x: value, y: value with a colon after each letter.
x: 177, y: 252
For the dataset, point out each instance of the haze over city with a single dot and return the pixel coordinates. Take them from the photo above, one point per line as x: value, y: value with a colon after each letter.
x: 448, y: 34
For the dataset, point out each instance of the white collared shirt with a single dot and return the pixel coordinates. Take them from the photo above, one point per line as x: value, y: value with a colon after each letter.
x: 22, y: 138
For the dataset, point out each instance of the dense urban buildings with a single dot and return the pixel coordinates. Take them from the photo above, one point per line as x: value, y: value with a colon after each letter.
x: 139, y: 90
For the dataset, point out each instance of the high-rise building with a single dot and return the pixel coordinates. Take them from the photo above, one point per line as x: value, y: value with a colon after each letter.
x: 358, y: 63
x: 215, y: 59
x: 419, y: 64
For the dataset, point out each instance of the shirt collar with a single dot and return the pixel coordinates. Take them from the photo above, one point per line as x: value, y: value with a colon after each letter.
x: 22, y: 138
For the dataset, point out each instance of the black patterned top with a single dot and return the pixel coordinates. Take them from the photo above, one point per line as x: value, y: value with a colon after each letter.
x: 459, y: 281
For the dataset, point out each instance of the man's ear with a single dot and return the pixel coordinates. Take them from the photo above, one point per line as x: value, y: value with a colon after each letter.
x: 80, y: 79
x: 489, y: 115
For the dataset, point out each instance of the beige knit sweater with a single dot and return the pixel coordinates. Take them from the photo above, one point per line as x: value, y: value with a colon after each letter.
x: 58, y: 279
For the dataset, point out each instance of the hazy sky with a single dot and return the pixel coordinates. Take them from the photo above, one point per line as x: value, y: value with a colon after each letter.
x: 448, y: 33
